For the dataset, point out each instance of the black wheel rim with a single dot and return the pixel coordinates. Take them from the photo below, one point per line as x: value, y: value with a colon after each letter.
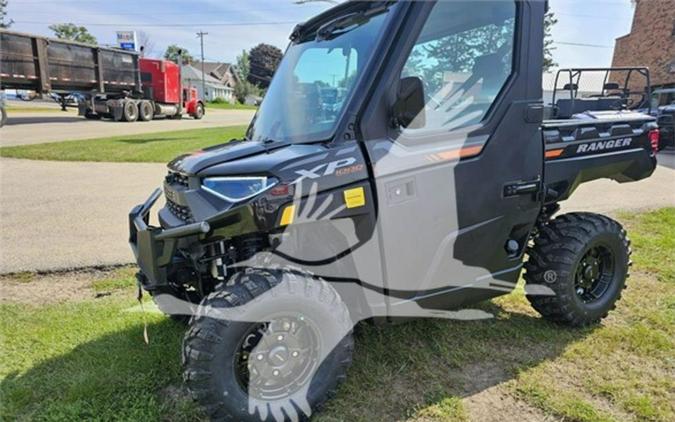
x: 276, y: 359
x: 594, y: 274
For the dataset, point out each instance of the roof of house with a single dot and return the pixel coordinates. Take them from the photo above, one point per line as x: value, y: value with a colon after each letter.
x: 190, y: 72
x: 215, y: 69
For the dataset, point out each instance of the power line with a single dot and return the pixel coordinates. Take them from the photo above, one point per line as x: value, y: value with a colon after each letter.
x: 576, y: 44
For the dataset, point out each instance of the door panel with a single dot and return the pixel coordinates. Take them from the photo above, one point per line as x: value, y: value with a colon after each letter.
x: 443, y: 218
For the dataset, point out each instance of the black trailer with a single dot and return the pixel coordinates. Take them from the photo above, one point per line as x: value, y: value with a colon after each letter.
x: 46, y: 65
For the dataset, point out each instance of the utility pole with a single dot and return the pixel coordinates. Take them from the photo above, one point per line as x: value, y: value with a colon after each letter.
x: 201, y: 34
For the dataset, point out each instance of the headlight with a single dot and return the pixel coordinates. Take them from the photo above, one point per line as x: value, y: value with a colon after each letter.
x: 235, y: 189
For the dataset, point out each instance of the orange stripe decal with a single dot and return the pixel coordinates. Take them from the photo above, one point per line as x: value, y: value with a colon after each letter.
x: 554, y: 153
x: 454, y: 154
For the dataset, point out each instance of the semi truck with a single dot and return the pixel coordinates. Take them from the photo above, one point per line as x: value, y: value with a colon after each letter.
x: 108, y: 82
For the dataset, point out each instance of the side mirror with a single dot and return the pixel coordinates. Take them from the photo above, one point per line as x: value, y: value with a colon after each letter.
x: 408, y: 110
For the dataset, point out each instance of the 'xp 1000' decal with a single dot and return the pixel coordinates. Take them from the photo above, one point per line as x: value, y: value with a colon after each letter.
x: 339, y: 167
x: 604, y: 145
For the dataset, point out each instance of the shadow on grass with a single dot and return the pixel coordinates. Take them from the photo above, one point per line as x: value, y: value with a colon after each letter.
x: 116, y: 377
x: 144, y: 140
x: 397, y: 370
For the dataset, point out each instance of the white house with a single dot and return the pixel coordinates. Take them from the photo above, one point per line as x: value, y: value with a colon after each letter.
x: 191, y: 76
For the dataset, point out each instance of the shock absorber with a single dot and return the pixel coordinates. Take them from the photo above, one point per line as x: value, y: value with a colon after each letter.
x: 219, y: 265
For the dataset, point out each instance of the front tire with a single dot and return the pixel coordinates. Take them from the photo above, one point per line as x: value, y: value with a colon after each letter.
x: 583, y: 259
x: 199, y: 112
x: 282, y: 357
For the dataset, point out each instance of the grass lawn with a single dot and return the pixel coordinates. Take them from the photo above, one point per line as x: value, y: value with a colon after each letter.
x: 84, y: 358
x: 26, y: 109
x: 153, y: 147
x: 228, y: 106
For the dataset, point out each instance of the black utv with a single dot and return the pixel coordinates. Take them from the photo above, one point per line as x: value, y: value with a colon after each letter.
x: 399, y: 167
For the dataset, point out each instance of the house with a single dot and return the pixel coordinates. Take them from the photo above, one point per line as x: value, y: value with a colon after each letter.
x: 650, y: 43
x: 224, y: 72
x: 215, y: 89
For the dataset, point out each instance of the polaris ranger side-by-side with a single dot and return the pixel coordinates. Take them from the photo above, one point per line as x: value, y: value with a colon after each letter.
x: 425, y: 186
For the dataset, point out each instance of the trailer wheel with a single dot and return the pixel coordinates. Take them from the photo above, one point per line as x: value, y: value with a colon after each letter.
x: 130, y: 111
x: 199, y: 111
x: 284, y: 354
x: 577, y: 268
x: 145, y: 111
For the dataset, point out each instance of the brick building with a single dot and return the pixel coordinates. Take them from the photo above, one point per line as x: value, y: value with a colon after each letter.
x: 650, y: 43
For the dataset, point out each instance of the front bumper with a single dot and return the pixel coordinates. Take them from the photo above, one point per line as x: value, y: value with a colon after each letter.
x: 154, y: 247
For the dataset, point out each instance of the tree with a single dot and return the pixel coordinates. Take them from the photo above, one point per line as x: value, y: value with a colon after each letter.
x: 264, y: 60
x: 549, y: 21
x: 243, y: 66
x: 244, y: 88
x: 70, y: 31
x: 173, y: 52
x: 3, y: 13
x: 457, y: 52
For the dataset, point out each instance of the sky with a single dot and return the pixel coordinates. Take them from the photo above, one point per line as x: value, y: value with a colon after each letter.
x: 235, y: 25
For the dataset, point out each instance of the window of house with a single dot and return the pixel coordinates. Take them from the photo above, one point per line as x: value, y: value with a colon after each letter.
x: 464, y: 57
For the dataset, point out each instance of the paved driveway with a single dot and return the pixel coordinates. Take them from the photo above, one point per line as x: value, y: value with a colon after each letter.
x: 62, y: 215
x: 25, y: 128
x: 65, y: 215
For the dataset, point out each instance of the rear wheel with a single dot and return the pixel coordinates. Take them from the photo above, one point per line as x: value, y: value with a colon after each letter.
x: 583, y: 259
x: 129, y: 111
x: 145, y: 111
x: 283, y: 356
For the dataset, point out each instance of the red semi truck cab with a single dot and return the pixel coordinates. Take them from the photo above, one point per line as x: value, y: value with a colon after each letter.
x: 162, y: 84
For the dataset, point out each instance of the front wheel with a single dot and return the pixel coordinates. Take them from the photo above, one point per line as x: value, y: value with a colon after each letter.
x: 577, y: 268
x: 199, y: 112
x: 278, y: 352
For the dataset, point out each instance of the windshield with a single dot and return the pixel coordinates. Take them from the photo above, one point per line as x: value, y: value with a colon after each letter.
x: 315, y: 80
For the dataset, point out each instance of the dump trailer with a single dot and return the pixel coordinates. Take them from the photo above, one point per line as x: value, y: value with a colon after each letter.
x: 108, y: 82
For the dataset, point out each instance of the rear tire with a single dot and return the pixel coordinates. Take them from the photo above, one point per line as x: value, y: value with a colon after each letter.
x: 583, y: 259
x: 129, y: 111
x: 145, y: 111
x: 218, y: 355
